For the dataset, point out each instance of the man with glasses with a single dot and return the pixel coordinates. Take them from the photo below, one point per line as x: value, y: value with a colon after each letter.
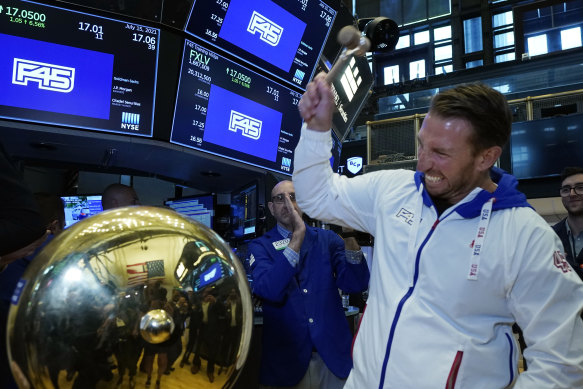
x: 297, y: 271
x: 570, y: 229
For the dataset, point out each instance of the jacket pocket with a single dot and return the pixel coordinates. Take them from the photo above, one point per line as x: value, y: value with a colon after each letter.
x: 455, y: 367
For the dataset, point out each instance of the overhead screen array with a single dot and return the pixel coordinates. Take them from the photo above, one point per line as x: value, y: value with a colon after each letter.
x: 243, y: 74
x: 69, y: 68
x: 244, y: 68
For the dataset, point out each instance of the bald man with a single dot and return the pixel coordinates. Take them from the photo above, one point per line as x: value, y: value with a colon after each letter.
x: 119, y: 195
x: 297, y: 271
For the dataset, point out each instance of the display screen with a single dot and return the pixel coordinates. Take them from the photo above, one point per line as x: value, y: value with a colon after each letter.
x: 74, y: 69
x: 283, y: 37
x: 541, y: 148
x: 80, y: 207
x: 226, y: 109
x: 244, y: 206
x: 351, y: 89
x: 199, y: 207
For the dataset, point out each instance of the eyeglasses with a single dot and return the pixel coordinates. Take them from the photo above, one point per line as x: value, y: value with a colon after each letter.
x: 566, y: 190
x: 280, y: 198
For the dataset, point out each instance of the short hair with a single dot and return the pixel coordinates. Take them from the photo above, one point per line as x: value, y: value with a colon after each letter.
x: 51, y: 208
x: 483, y: 107
x: 570, y: 171
x: 113, y: 194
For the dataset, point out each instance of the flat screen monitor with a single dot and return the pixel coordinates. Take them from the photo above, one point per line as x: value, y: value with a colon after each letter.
x: 80, y: 207
x: 74, y: 69
x: 283, y: 37
x: 244, y: 207
x: 228, y: 110
x: 542, y: 148
x: 198, y: 207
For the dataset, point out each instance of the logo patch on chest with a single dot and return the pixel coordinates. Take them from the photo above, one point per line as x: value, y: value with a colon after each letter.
x: 406, y: 215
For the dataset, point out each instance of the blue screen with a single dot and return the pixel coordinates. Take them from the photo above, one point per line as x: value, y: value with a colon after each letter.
x: 282, y: 37
x: 73, y: 69
x: 56, y: 78
x: 242, y: 124
x: 211, y: 275
x: 271, y: 33
x: 227, y: 109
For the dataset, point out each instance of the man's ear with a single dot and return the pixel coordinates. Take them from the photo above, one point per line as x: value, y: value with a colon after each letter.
x: 270, y: 206
x: 488, y: 157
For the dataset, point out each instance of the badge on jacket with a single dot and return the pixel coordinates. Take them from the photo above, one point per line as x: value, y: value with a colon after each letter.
x: 281, y: 244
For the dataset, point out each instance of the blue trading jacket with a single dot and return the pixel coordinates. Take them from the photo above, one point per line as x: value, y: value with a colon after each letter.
x: 301, y: 306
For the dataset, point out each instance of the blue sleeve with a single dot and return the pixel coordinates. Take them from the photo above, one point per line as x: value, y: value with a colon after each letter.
x: 271, y: 271
x: 350, y: 277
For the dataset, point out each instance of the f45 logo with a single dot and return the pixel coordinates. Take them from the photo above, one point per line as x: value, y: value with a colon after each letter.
x: 269, y: 31
x: 250, y: 127
x: 50, y: 77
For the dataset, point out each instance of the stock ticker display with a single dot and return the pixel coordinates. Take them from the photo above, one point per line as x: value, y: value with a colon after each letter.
x: 226, y: 109
x: 69, y: 68
x: 283, y: 37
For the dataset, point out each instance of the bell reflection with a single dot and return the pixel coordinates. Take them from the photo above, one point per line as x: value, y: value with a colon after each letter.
x: 132, y: 297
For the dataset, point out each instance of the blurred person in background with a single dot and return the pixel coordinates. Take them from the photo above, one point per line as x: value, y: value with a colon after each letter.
x: 52, y: 213
x: 119, y: 195
x: 570, y: 229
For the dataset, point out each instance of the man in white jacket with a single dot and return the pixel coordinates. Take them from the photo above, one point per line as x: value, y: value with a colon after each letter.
x: 459, y: 255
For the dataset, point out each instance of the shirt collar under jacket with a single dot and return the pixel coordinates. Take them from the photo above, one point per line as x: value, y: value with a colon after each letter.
x: 283, y: 232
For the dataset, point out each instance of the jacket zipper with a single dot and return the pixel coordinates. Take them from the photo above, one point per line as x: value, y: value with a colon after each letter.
x: 402, y: 302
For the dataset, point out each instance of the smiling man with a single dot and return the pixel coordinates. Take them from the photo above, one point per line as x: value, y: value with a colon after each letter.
x: 459, y: 255
x: 570, y: 229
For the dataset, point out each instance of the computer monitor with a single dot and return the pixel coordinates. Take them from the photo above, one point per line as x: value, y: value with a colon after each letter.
x: 542, y: 148
x: 63, y: 67
x: 244, y: 207
x: 79, y: 207
x: 283, y: 37
x: 226, y: 109
x: 198, y: 207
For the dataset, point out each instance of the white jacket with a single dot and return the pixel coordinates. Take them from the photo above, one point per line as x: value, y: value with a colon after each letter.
x: 427, y: 324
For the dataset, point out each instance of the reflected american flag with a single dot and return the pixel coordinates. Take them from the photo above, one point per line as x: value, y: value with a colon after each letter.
x: 139, y: 273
